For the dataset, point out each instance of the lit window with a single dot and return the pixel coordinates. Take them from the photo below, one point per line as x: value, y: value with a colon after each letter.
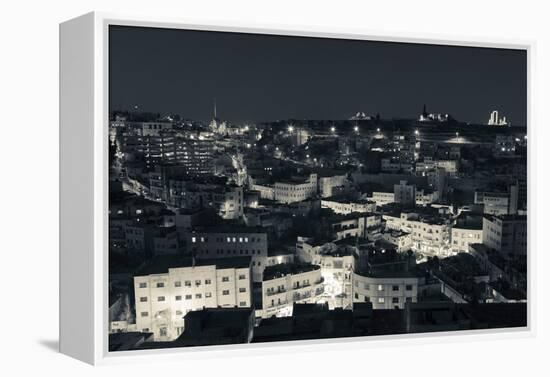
x: 193, y: 239
x: 380, y: 287
x: 381, y: 300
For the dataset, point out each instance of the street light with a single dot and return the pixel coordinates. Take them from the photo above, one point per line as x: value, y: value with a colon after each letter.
x: 378, y: 130
x: 290, y: 128
x: 332, y: 129
x: 416, y: 132
x: 356, y: 129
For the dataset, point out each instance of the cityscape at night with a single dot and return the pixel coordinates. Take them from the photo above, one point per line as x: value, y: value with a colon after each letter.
x: 272, y: 188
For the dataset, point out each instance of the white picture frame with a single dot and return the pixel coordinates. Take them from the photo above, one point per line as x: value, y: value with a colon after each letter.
x: 84, y: 191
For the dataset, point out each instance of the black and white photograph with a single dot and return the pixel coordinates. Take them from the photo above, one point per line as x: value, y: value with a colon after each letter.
x: 268, y: 188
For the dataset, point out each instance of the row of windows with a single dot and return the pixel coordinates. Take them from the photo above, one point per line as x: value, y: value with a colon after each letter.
x: 382, y: 300
x: 380, y: 287
x: 198, y: 296
x: 188, y: 282
x: 227, y: 239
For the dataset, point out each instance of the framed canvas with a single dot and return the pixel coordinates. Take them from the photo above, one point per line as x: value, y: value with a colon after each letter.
x: 233, y: 188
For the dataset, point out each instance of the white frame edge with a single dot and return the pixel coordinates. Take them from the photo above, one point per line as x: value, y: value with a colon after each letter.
x: 84, y: 191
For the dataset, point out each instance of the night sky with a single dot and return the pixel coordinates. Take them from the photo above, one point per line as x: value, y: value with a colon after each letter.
x: 262, y: 78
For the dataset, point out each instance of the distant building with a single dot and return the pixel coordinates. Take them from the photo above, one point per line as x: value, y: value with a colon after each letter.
x: 166, y: 292
x: 230, y: 242
x: 495, y: 120
x: 295, y: 190
x: 498, y: 202
x: 344, y: 207
x: 404, y: 193
x: 506, y: 233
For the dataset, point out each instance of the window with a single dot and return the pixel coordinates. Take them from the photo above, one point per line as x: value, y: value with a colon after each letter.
x: 367, y: 299
x: 145, y: 329
x: 160, y: 298
x: 163, y: 331
x: 179, y: 312
x: 143, y: 285
x: 367, y: 286
x: 225, y: 278
x: 145, y: 314
x: 207, y: 281
x: 242, y: 303
x: 242, y: 290
x: 225, y: 292
x: 188, y: 297
x: 177, y: 284
x: 188, y: 283
x: 197, y: 282
x: 143, y: 299
x: 160, y: 285
x: 408, y: 299
x: 178, y: 298
x: 408, y: 287
x: 193, y: 239
x: 380, y: 287
x: 381, y: 300
x: 356, y: 296
x: 394, y: 287
x: 208, y: 294
x: 395, y: 300
x: 242, y: 277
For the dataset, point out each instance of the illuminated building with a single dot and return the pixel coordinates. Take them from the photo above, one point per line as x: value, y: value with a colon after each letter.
x: 166, y: 291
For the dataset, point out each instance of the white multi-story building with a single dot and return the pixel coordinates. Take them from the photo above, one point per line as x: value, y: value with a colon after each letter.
x: 506, y: 233
x: 347, y: 207
x: 163, y: 298
x: 230, y: 242
x: 337, y: 263
x: 355, y: 225
x: 385, y: 292
x: 285, y: 284
x: 430, y: 235
x: 467, y: 230
x: 381, y: 198
x: 296, y: 190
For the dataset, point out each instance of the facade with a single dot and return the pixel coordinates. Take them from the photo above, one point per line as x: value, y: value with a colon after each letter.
x: 385, y: 292
x: 163, y: 299
x: 381, y: 198
x: 347, y: 207
x: 506, y: 233
x: 498, y: 202
x: 286, y: 284
x: 404, y: 194
x: 296, y: 190
x: 231, y: 242
x: 328, y: 184
x: 430, y: 235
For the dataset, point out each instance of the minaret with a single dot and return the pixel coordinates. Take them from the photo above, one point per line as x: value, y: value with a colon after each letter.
x: 215, y: 110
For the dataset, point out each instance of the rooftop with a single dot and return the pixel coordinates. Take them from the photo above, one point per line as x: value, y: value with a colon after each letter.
x: 161, y: 264
x: 284, y: 269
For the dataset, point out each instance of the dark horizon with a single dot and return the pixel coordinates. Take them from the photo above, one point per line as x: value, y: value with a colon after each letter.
x: 256, y: 77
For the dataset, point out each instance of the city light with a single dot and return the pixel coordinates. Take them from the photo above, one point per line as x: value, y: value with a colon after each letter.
x: 290, y: 128
x: 356, y: 129
x: 333, y: 129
